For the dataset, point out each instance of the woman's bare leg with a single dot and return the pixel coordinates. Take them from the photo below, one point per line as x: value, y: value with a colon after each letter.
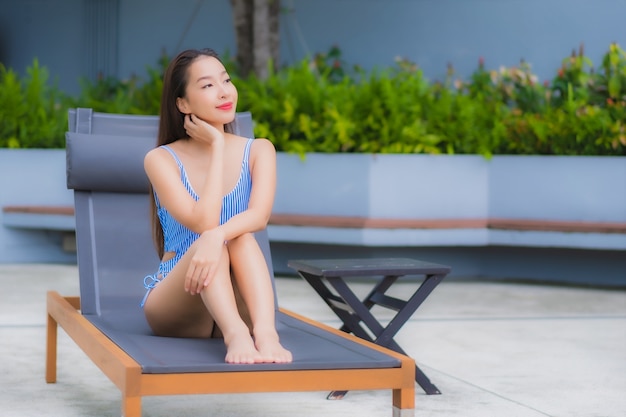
x: 171, y: 311
x: 219, y: 298
x: 255, y: 285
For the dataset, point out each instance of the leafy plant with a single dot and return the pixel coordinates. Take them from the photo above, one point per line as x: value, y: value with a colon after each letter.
x: 130, y: 96
x: 314, y: 107
x: 33, y: 114
x: 321, y: 105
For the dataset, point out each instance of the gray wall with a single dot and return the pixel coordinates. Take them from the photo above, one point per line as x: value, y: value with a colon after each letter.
x: 33, y: 177
x: 75, y: 38
x: 435, y: 32
x: 52, y: 31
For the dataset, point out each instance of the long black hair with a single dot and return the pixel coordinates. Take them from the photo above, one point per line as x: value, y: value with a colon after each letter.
x: 171, y: 120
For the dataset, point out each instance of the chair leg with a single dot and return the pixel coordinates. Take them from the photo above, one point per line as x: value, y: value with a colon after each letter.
x: 409, y: 412
x: 131, y: 406
x: 51, y: 350
x: 404, y: 402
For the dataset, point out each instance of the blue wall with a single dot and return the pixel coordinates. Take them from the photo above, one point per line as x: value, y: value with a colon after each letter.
x: 370, y: 33
x: 436, y: 32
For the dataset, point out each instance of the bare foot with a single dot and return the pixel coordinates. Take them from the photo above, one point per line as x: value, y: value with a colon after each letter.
x: 240, y: 349
x: 271, y: 350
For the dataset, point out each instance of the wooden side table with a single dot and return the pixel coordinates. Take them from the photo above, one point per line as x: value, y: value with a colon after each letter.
x: 330, y: 278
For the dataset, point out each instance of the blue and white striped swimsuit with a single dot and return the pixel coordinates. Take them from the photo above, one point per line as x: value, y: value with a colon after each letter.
x: 178, y: 238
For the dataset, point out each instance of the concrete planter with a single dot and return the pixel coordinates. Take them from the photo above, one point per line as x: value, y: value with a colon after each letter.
x: 424, y: 187
x: 571, y: 188
x: 453, y: 186
x: 32, y: 177
x: 590, y: 189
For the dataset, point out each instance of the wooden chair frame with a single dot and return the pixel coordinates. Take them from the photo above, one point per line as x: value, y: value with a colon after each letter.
x: 127, y: 374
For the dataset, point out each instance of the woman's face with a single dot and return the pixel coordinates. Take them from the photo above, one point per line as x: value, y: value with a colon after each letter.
x: 210, y: 94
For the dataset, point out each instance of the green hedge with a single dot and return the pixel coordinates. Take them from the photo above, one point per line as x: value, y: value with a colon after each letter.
x: 321, y: 105
x: 33, y: 113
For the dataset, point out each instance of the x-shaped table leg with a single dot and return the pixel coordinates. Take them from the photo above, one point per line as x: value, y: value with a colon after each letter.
x: 352, y: 312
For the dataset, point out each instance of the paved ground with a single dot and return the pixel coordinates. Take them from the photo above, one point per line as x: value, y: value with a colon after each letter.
x: 493, y: 349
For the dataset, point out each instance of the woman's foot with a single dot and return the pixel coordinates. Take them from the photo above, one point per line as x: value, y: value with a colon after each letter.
x: 240, y: 349
x: 270, y: 349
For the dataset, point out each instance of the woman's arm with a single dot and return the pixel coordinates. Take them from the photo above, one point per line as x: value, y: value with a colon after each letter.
x: 164, y: 175
x: 263, y: 172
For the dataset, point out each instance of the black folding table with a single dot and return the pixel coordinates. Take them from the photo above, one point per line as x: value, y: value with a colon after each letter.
x: 330, y: 277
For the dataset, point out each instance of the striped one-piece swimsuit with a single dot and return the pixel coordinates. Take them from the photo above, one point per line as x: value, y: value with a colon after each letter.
x: 178, y: 238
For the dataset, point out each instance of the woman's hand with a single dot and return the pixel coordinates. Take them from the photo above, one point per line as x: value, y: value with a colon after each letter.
x: 205, y: 260
x: 200, y: 130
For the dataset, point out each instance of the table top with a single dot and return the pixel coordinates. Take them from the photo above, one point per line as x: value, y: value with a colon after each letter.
x: 367, y: 267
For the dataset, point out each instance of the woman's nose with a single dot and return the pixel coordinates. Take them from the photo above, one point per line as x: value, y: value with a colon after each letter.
x: 223, y: 91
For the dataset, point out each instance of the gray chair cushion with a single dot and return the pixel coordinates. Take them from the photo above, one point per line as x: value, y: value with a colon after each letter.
x: 115, y: 252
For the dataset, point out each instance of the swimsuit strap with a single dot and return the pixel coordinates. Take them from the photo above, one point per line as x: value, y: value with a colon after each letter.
x: 170, y: 150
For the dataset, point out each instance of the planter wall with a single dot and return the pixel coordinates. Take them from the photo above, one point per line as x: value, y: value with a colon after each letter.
x: 386, y: 186
x: 580, y: 188
x: 554, y: 188
x: 428, y: 186
x: 453, y: 186
x: 394, y: 186
x: 323, y: 184
x: 33, y: 177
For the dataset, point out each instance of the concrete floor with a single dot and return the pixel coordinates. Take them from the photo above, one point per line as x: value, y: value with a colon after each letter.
x: 493, y: 349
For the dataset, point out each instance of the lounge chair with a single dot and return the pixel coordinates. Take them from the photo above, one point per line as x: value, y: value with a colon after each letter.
x: 115, y: 251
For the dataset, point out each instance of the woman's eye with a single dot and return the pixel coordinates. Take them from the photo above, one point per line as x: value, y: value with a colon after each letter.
x: 208, y: 85
x: 228, y: 80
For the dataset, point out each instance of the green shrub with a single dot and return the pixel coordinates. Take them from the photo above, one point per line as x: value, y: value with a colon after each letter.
x: 320, y: 105
x: 33, y: 114
x: 130, y: 96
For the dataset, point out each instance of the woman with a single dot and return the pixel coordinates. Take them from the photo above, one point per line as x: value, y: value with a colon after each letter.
x: 212, y: 190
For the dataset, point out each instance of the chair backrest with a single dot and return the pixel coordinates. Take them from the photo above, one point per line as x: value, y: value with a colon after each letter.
x: 112, y: 205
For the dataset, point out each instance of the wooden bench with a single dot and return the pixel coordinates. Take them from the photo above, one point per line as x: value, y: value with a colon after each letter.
x: 579, y: 253
x: 288, y: 227
x: 57, y: 219
x: 447, y: 232
x: 39, y: 217
x: 497, y: 224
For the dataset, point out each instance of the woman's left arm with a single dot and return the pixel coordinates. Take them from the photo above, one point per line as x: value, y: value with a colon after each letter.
x: 263, y: 171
